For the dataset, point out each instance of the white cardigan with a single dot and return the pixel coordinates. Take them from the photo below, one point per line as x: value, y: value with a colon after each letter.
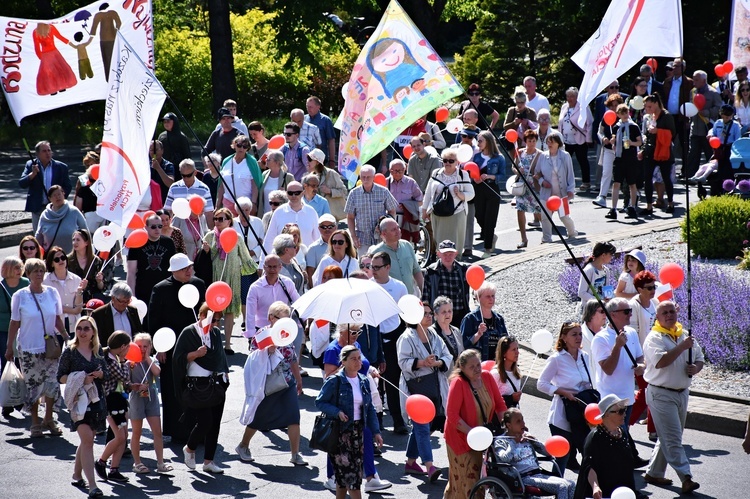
x: 435, y: 188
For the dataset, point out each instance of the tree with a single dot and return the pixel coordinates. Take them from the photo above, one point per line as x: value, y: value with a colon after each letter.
x: 222, y: 59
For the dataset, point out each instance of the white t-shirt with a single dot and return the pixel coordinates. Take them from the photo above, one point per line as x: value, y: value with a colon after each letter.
x: 538, y: 102
x: 357, y: 392
x: 24, y: 310
x: 397, y: 290
x: 628, y: 280
x: 272, y: 184
x: 620, y: 382
x: 238, y: 178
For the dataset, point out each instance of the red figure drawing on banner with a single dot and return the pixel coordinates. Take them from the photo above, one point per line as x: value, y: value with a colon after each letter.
x: 54, y: 74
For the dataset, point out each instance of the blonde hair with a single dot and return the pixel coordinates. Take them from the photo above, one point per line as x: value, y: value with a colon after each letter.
x: 95, y: 347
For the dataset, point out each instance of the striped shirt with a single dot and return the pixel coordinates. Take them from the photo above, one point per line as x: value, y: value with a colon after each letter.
x: 179, y: 190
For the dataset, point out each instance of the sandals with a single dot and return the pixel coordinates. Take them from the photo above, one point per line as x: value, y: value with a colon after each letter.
x: 164, y: 468
x: 96, y: 492
x: 140, y: 468
x: 522, y: 244
x: 52, y: 427
x: 36, y: 431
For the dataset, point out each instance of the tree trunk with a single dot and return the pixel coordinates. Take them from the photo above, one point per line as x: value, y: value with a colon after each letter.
x: 222, y: 58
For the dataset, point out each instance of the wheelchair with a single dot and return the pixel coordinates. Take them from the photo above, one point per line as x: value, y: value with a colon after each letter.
x: 503, y: 481
x: 735, y: 165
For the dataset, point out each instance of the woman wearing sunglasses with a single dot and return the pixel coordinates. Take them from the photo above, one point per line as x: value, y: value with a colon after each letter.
x: 341, y: 253
x: 69, y: 286
x: 742, y: 105
x: 241, y: 174
x: 29, y: 248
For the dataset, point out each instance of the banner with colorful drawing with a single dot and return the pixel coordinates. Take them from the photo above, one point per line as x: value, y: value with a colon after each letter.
x: 64, y: 61
x: 397, y: 79
x: 739, y: 33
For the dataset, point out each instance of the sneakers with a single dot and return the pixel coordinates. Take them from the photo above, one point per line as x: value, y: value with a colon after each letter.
x: 413, y: 469
x: 611, y: 214
x: 377, y: 484
x: 189, y: 458
x: 116, y: 476
x: 600, y: 201
x: 434, y: 474
x: 330, y: 484
x: 212, y: 468
x: 244, y: 453
x: 298, y: 460
x: 101, y: 469
x: 631, y: 213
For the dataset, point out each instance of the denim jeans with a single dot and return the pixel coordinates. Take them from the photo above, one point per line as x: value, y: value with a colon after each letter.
x: 419, y: 442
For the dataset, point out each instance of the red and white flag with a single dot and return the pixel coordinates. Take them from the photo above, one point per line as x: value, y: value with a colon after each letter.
x: 630, y: 30
x: 133, y: 104
x: 263, y: 339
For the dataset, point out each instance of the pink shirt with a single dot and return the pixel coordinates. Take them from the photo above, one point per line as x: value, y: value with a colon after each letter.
x: 260, y: 296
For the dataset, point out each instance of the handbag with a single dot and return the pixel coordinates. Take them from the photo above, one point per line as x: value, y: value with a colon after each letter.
x: 275, y: 382
x: 12, y: 386
x: 52, y: 348
x: 325, y: 434
x: 203, y: 392
x: 518, y: 187
x: 574, y: 409
x: 495, y: 426
x: 429, y: 386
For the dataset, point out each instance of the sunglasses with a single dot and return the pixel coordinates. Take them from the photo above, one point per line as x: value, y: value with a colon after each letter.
x: 287, y: 134
x: 475, y: 93
x: 626, y: 311
x: 450, y: 161
x: 274, y: 203
x: 219, y: 219
x: 153, y: 227
x: 28, y: 248
x: 376, y: 267
x: 364, y: 266
x: 293, y: 193
x: 612, y: 87
x: 242, y: 146
x: 355, y: 332
x: 187, y: 175
x: 215, y: 320
x: 326, y: 227
x: 339, y: 242
x: 621, y: 412
x: 59, y: 259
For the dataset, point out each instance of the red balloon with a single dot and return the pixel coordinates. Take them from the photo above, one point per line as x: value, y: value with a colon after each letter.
x: 488, y: 365
x: 136, y: 222
x: 197, y: 204
x: 728, y: 67
x: 137, y: 238
x: 442, y: 114
x: 380, y: 179
x: 276, y: 142
x: 473, y: 170
x: 610, y: 117
x: 475, y: 276
x: 218, y: 296
x: 228, y: 239
x: 408, y: 151
x: 719, y: 70
x: 652, y: 62
x: 148, y: 214
x: 94, y: 172
x: 511, y: 136
x: 592, y: 414
x: 420, y: 409
x: 673, y: 274
x: 104, y: 255
x: 557, y: 446
x: 553, y: 203
x: 699, y: 101
x: 134, y: 353
x: 714, y: 142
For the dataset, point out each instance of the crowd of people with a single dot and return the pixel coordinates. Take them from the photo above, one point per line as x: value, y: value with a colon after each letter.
x: 299, y: 227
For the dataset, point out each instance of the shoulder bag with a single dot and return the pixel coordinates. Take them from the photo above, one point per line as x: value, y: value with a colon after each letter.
x: 325, y: 434
x: 276, y: 382
x: 491, y: 424
x: 429, y: 386
x: 509, y: 402
x: 52, y: 348
x: 574, y: 409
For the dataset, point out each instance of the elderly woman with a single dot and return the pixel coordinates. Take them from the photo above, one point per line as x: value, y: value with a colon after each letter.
x: 642, y: 320
x: 446, y: 224
x: 473, y: 400
x: 11, y: 282
x: 83, y: 263
x: 275, y: 199
x: 280, y: 409
x: 228, y: 266
x: 425, y: 362
x: 35, y: 314
x: 341, y: 252
x: 293, y: 230
x: 443, y: 313
x: 69, y: 286
x: 58, y: 221
x: 528, y: 161
x: 285, y: 247
x: 607, y: 454
x: 483, y: 328
x: 520, y: 117
x: 556, y: 178
x: 594, y: 320
x: 347, y: 397
x: 544, y: 120
x: 519, y: 449
x: 81, y: 366
x: 29, y: 247
x: 253, y: 234
x: 172, y: 232
x: 565, y: 374
x: 275, y: 178
x: 576, y: 137
x: 487, y: 199
x: 331, y: 185
x: 241, y: 174
x: 211, y: 165
x: 506, y: 373
x: 199, y: 362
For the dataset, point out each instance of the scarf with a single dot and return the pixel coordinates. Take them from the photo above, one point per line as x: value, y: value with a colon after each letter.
x: 624, y: 127
x: 674, y: 333
x: 193, y: 224
x: 222, y: 253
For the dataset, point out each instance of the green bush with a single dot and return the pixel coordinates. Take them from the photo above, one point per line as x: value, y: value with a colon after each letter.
x: 718, y: 227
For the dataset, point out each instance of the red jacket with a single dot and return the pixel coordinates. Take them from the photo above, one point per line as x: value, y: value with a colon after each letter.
x: 461, y: 405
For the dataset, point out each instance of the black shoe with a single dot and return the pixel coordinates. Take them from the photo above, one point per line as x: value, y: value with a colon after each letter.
x: 116, y: 476
x: 639, y: 462
x: 669, y: 209
x: 127, y: 452
x: 611, y: 214
x: 631, y: 213
x: 401, y: 430
x: 229, y: 351
x: 7, y: 411
x: 646, y: 212
x: 101, y: 469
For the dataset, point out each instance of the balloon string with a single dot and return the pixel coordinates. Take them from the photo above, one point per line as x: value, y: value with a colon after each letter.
x: 394, y: 386
x: 530, y: 369
x: 145, y: 375
x: 111, y: 259
x: 224, y: 268
x: 197, y: 228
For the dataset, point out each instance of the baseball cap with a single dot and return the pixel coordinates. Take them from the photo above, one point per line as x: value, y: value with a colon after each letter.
x: 179, y: 262
x: 326, y: 217
x: 224, y: 112
x: 446, y: 246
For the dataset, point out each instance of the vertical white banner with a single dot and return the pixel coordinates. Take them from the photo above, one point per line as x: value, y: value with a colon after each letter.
x: 739, y: 33
x: 132, y: 109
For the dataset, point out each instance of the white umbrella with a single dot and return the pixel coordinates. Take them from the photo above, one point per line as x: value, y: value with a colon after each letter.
x: 347, y: 300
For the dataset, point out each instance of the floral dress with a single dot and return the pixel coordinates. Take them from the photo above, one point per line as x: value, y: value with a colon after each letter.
x: 238, y: 262
x: 527, y: 202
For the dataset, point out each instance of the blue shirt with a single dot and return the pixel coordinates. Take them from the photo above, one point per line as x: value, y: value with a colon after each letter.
x: 719, y: 129
x: 673, y: 101
x: 319, y: 203
x: 325, y: 127
x: 332, y: 353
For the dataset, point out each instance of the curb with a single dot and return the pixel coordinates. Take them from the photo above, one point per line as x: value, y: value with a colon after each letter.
x: 11, y: 234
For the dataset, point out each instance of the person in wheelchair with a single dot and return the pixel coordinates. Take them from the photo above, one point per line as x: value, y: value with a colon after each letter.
x: 519, y: 449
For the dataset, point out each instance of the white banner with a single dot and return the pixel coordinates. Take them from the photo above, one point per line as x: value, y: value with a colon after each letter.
x: 134, y: 101
x: 630, y: 30
x: 59, y: 62
x: 739, y: 34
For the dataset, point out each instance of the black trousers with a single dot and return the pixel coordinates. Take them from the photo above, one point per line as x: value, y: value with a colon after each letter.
x: 393, y: 374
x: 666, y: 174
x: 698, y: 145
x: 206, y: 429
x: 580, y: 152
x: 486, y: 208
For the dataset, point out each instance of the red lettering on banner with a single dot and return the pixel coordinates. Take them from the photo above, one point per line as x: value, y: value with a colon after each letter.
x: 602, y: 57
x: 11, y: 58
x: 142, y: 13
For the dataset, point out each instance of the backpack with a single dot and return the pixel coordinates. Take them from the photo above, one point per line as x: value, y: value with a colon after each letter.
x: 443, y: 205
x: 301, y: 144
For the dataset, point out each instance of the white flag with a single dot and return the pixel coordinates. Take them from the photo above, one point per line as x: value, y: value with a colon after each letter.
x: 132, y: 109
x: 630, y: 30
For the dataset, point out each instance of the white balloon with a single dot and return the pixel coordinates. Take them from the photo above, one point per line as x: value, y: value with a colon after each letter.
x: 284, y: 332
x: 140, y: 306
x: 181, y: 208
x: 188, y: 296
x: 637, y: 103
x: 345, y: 90
x: 509, y: 184
x: 689, y: 109
x: 164, y: 339
x: 455, y: 125
x: 541, y: 341
x: 479, y: 438
x: 104, y: 238
x: 120, y: 231
x: 464, y: 153
x: 622, y: 493
x: 412, y: 310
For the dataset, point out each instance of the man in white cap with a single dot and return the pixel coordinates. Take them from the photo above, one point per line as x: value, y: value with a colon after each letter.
x: 668, y: 349
x: 317, y: 250
x: 447, y: 277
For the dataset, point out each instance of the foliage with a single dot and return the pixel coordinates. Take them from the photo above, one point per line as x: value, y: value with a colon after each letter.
x: 718, y: 226
x: 745, y: 258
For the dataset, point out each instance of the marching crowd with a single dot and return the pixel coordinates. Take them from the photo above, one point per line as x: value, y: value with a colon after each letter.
x: 300, y: 227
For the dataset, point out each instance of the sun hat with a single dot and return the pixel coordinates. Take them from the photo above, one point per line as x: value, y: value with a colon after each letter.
x: 638, y: 255
x: 179, y: 262
x: 607, y: 402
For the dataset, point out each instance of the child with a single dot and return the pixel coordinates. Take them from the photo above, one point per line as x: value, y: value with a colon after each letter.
x: 84, y: 64
x: 727, y: 130
x: 606, y: 136
x: 626, y: 140
x: 597, y: 274
x: 634, y: 263
x: 144, y: 404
